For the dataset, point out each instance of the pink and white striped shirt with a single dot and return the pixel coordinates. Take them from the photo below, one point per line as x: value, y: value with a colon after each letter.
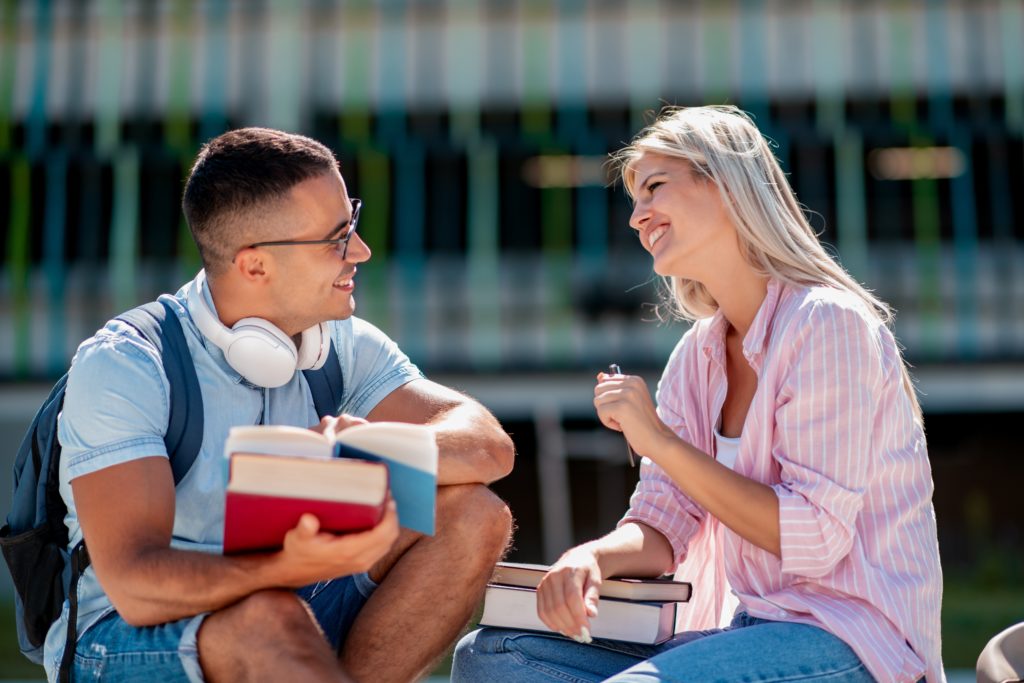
x: 831, y: 430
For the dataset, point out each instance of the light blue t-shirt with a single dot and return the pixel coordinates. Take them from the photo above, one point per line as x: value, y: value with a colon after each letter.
x: 116, y: 409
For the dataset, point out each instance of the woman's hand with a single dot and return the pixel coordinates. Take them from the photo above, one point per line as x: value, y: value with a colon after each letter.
x: 624, y: 404
x: 567, y: 595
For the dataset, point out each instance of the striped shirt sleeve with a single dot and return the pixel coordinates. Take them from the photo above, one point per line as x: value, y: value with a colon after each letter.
x: 825, y: 419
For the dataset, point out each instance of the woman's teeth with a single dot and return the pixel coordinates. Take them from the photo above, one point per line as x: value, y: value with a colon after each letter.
x: 655, y: 236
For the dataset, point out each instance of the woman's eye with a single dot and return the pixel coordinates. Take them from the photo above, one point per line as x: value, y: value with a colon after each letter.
x: 653, y: 186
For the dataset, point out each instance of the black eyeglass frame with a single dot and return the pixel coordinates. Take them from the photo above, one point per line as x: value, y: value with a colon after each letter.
x: 338, y: 242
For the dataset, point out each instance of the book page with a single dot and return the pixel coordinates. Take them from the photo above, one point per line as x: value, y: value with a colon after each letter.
x: 278, y: 440
x: 409, y: 444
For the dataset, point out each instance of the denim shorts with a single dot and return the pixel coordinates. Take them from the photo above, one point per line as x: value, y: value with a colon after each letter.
x: 114, y: 650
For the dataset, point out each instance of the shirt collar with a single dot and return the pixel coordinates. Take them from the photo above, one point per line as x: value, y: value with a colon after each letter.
x: 757, y: 336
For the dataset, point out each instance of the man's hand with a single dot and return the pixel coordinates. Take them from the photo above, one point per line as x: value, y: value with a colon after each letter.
x: 473, y: 447
x: 310, y: 555
x: 567, y: 595
x: 329, y: 425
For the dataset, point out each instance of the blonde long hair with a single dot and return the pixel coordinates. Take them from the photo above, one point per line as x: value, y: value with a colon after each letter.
x: 723, y: 144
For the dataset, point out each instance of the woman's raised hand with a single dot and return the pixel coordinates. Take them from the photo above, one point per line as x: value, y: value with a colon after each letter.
x: 624, y: 404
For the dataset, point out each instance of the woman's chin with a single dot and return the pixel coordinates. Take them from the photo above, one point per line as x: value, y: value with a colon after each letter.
x: 662, y: 267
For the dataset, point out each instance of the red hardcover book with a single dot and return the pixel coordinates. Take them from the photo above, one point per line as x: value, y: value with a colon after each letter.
x: 267, y: 494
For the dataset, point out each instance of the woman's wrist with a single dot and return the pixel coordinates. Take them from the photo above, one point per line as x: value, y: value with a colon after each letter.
x: 667, y: 445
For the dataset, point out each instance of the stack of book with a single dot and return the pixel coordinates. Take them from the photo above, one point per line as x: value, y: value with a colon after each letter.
x: 631, y: 610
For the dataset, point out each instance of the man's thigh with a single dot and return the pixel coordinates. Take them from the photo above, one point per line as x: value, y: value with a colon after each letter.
x: 337, y: 603
x: 115, y: 650
x: 111, y: 649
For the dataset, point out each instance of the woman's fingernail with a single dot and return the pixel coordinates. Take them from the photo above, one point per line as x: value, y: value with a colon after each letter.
x: 585, y: 635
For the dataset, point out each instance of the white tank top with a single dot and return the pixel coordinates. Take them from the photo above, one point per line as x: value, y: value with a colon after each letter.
x: 726, y: 449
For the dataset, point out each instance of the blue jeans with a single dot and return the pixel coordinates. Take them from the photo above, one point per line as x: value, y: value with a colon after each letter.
x: 750, y: 649
x: 114, y: 650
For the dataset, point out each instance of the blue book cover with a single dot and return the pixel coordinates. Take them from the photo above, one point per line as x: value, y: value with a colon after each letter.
x: 410, y: 452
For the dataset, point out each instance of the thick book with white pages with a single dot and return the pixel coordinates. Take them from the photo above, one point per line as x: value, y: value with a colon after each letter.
x: 631, y: 621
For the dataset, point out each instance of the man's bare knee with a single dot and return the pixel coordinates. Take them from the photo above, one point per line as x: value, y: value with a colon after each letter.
x: 273, y: 609
x: 474, y: 512
x: 272, y: 624
x: 473, y: 526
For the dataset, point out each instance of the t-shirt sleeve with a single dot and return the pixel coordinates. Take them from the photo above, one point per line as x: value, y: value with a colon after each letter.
x: 372, y: 365
x: 116, y: 403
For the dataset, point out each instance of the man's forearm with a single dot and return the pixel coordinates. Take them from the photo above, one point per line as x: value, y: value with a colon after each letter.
x: 167, y: 584
x: 473, y: 447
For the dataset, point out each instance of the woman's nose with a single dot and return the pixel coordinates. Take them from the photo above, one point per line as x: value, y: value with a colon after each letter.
x: 641, y: 214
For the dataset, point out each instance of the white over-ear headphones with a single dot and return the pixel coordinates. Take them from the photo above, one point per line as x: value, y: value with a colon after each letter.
x: 255, y: 348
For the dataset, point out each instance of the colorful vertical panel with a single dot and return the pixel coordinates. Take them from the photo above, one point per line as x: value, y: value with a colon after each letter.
x: 1012, y: 24
x: 355, y: 31
x: 36, y: 133
x: 108, y: 87
x: 8, y: 68
x: 965, y: 252
x: 828, y: 67
x: 286, y: 66
x: 483, y: 261
x: 535, y: 112
x: 214, y: 111
x: 54, y: 220
x: 124, y: 230
x: 851, y: 204
x: 18, y: 260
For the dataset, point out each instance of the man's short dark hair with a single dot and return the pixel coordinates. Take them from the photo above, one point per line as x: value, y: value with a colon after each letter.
x: 235, y: 175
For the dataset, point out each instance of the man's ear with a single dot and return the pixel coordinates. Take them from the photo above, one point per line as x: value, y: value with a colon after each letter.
x: 250, y: 263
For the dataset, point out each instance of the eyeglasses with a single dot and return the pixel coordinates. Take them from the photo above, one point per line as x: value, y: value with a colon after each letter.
x: 340, y: 243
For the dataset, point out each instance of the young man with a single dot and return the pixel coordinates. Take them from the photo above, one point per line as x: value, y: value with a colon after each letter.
x: 276, y: 230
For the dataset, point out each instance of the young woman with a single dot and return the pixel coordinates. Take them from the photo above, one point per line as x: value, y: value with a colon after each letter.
x: 785, y: 459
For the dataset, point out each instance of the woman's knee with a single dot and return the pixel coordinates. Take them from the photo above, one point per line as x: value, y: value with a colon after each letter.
x: 475, y: 655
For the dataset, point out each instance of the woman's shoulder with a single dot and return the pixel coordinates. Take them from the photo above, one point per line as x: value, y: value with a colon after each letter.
x: 820, y: 303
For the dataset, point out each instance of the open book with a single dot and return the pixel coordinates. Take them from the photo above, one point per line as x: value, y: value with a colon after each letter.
x: 276, y: 473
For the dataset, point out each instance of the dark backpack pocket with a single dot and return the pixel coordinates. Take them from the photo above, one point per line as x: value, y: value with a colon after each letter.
x: 36, y: 561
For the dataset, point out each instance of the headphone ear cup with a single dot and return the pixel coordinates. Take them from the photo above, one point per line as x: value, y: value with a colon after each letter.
x: 313, y: 347
x: 261, y: 353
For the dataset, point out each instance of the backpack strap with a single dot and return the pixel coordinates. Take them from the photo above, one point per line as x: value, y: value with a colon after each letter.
x: 327, y: 385
x: 157, y: 322
x: 79, y: 563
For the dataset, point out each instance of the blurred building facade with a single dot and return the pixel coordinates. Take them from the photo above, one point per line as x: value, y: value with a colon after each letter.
x: 475, y: 133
